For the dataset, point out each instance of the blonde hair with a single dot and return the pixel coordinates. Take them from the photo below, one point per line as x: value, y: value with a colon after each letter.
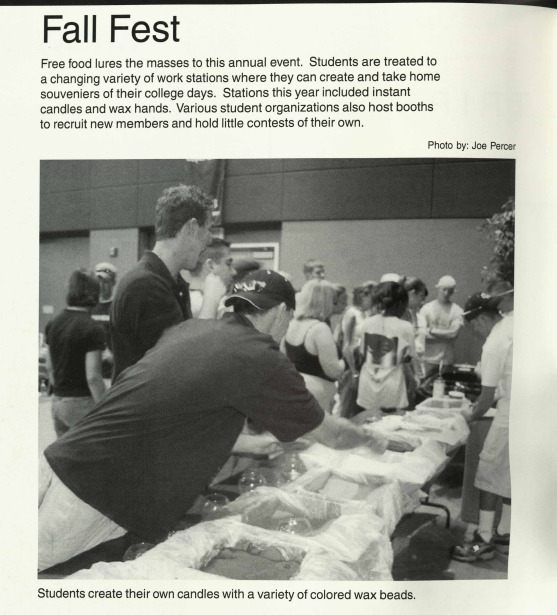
x: 316, y: 300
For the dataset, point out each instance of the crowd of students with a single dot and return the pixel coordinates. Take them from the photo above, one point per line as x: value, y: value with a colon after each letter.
x: 369, y: 356
x: 379, y: 349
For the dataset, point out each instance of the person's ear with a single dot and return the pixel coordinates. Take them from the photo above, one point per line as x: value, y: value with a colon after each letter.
x: 190, y: 227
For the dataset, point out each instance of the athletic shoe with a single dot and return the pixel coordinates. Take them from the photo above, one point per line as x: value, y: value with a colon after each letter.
x: 476, y: 550
x: 501, y: 542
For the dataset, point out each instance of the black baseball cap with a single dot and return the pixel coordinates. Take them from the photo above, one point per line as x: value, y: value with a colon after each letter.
x: 480, y: 303
x: 263, y: 289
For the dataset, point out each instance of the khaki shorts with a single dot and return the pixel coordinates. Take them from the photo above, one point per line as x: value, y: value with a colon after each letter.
x: 67, y: 525
x: 494, y: 474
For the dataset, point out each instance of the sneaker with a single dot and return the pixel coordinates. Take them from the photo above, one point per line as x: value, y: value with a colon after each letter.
x: 476, y: 550
x: 502, y: 542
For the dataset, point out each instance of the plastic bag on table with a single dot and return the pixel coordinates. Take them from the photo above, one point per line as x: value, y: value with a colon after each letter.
x: 186, y: 553
x: 396, y: 434
x: 383, y: 496
x: 268, y: 506
x: 316, y: 567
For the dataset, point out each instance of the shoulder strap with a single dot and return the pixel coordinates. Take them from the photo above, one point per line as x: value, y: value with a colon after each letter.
x: 309, y: 329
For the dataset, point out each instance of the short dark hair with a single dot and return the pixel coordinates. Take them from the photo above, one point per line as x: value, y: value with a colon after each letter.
x: 311, y: 264
x: 415, y: 284
x: 178, y: 205
x: 83, y: 289
x: 359, y: 292
x: 215, y: 250
x: 390, y: 298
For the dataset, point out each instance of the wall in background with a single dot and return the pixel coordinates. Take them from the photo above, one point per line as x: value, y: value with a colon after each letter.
x: 126, y: 241
x: 83, y: 195
x: 359, y: 189
x: 103, y: 194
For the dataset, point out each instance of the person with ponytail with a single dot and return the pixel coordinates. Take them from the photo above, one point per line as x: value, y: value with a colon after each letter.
x: 387, y: 345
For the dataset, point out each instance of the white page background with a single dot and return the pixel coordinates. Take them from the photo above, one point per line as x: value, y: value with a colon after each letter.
x: 496, y: 62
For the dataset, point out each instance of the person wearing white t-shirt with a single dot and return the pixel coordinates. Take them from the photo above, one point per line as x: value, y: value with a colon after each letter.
x: 387, y: 345
x: 493, y: 473
x: 443, y: 321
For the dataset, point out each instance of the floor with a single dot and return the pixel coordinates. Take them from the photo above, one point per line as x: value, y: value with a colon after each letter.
x: 425, y: 558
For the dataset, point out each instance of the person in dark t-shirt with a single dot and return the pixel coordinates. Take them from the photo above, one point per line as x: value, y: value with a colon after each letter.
x: 153, y: 296
x: 74, y: 344
x: 169, y: 422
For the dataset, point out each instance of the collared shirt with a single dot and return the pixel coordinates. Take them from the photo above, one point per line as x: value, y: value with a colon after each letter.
x: 169, y: 422
x: 147, y: 301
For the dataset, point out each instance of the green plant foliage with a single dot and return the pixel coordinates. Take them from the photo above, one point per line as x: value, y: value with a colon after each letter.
x: 500, y: 229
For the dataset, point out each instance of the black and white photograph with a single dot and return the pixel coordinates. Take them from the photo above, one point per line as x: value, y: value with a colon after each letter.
x: 275, y: 369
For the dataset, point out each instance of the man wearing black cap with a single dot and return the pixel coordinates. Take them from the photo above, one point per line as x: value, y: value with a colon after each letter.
x: 138, y: 461
x: 493, y: 474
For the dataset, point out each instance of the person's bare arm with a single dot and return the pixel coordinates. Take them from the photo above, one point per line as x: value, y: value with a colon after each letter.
x: 451, y: 332
x: 93, y: 373
x: 337, y: 432
x: 483, y: 404
x: 213, y: 291
x: 49, y: 367
x: 321, y: 337
x: 256, y: 444
x: 349, y: 345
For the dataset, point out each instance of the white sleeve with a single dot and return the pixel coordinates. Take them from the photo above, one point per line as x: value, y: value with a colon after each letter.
x: 494, y: 355
x: 196, y: 301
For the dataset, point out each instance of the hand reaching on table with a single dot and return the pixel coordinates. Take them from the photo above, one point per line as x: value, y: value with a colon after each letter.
x: 399, y: 447
x: 261, y: 444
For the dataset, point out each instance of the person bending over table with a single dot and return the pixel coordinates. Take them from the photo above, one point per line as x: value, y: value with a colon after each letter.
x: 139, y: 460
x: 493, y: 474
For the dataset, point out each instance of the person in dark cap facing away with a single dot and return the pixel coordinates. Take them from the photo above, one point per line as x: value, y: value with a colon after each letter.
x: 484, y: 312
x: 152, y: 445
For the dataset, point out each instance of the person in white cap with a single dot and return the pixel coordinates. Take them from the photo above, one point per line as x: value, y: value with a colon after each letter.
x: 443, y: 321
x: 106, y: 274
x: 391, y: 277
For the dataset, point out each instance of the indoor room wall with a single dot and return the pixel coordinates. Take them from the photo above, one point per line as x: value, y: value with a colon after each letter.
x: 124, y: 241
